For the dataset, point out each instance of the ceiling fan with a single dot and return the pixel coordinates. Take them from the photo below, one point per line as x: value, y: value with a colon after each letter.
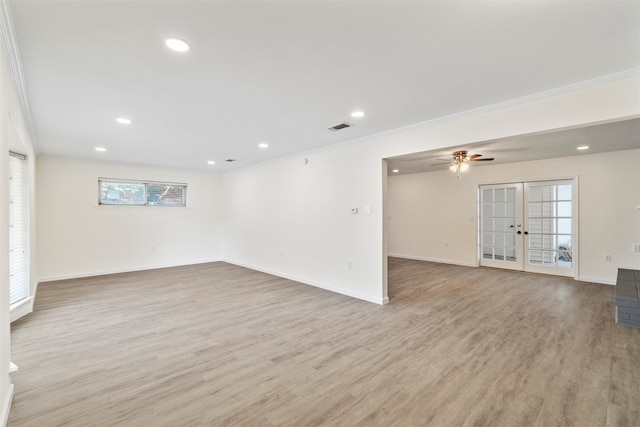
x: 461, y: 159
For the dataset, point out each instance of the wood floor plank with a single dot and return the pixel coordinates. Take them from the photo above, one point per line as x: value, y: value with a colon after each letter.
x: 216, y: 344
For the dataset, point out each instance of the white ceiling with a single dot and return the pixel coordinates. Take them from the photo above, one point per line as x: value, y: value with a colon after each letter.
x: 600, y: 138
x: 282, y: 72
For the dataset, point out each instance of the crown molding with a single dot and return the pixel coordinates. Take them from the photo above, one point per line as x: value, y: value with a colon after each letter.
x: 15, y: 65
x: 621, y: 75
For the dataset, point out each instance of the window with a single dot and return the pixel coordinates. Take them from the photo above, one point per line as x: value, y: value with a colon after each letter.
x: 18, y: 229
x: 141, y: 193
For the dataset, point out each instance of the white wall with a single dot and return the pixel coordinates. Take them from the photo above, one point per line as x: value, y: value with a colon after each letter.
x: 11, y: 121
x: 427, y: 210
x: 303, y: 211
x: 76, y: 237
x: 294, y: 219
x: 6, y: 388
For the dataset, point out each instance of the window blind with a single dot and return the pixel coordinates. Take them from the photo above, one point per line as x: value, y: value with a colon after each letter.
x: 18, y: 229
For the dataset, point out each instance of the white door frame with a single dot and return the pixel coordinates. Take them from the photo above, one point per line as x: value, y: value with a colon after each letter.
x: 521, y: 242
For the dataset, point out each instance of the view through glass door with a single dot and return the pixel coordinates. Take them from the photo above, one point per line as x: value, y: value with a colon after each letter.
x: 528, y: 226
x: 500, y: 221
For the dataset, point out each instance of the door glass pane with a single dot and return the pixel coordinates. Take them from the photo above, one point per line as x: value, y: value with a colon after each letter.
x: 549, y: 242
x: 487, y: 210
x: 548, y: 258
x: 564, y: 192
x: 535, y: 194
x: 535, y: 257
x: 548, y: 209
x: 564, y: 208
x: 535, y: 226
x: 499, y: 195
x: 511, y: 194
x: 535, y: 241
x: 535, y: 210
x: 487, y: 238
x: 564, y: 225
x: 548, y: 225
x: 487, y: 252
x: 510, y: 209
x: 499, y: 209
x: 500, y: 224
x: 510, y: 240
x: 487, y: 224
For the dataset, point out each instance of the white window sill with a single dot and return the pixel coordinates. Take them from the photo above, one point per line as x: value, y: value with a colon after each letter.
x: 21, y: 308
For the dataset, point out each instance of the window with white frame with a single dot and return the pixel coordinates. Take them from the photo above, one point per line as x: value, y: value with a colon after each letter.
x: 123, y: 192
x: 18, y: 228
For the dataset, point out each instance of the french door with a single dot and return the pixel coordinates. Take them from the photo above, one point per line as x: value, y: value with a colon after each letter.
x: 528, y: 226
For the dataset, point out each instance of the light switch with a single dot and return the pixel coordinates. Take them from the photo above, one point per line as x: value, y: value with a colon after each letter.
x: 367, y: 210
x: 354, y: 211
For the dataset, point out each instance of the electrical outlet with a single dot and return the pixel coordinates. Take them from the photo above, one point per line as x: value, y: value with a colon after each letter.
x: 607, y: 257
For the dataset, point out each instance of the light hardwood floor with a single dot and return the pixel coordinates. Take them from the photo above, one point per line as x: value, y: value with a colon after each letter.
x: 220, y: 345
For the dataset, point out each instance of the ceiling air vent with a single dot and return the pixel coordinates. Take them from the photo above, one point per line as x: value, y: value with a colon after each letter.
x: 340, y: 126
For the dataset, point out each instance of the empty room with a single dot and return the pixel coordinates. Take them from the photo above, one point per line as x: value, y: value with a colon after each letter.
x: 338, y: 213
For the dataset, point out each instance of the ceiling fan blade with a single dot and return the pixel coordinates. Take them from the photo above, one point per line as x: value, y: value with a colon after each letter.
x: 488, y: 159
x: 474, y: 156
x: 438, y: 164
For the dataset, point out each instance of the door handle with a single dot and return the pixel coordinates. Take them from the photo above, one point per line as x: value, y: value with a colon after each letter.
x: 519, y: 232
x: 526, y: 232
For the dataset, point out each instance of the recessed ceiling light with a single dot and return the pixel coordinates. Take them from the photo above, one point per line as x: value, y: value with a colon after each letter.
x: 357, y: 114
x: 583, y: 147
x: 211, y: 162
x: 263, y: 145
x: 101, y: 149
x: 123, y: 121
x: 177, y: 45
x: 395, y: 171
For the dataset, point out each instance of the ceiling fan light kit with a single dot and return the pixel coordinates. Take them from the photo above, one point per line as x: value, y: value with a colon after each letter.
x: 460, y: 162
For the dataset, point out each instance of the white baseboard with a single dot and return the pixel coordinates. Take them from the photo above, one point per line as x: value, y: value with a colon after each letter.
x: 466, y: 264
x: 438, y: 260
x: 21, y: 308
x: 324, y: 286
x: 120, y: 270
x: 6, y: 405
x: 596, y: 280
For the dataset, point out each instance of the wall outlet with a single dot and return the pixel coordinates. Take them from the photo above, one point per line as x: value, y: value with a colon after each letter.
x: 607, y: 257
